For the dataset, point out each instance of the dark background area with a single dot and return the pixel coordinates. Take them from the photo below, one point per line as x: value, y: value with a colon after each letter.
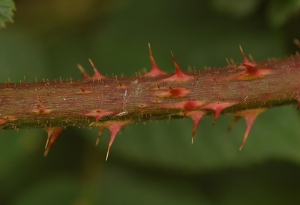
x: 153, y: 163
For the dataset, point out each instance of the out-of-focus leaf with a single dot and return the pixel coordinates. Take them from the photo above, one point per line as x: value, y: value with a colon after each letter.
x: 6, y: 11
x: 48, y: 191
x: 235, y: 7
x: 279, y: 12
x: 266, y: 183
x: 22, y: 56
x: 119, y: 184
x: 17, y: 150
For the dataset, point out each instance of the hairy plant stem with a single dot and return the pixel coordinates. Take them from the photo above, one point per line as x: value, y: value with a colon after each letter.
x: 82, y: 103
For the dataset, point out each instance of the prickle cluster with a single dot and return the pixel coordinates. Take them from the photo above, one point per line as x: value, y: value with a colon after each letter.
x: 243, y: 90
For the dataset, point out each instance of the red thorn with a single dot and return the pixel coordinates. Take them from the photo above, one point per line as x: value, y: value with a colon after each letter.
x: 97, y: 75
x: 249, y: 116
x: 249, y: 65
x: 249, y: 123
x: 98, y: 114
x: 196, y: 117
x: 155, y: 70
x: 179, y: 75
x: 85, y: 74
x: 101, y: 128
x: 232, y: 124
x: 178, y: 71
x: 114, y: 128
x: 218, y: 107
x: 53, y: 133
x: 113, y: 133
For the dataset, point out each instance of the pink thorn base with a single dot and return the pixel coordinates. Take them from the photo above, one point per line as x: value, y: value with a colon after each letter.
x: 97, y: 75
x: 196, y: 117
x: 83, y: 72
x: 98, y: 114
x: 179, y: 76
x: 251, y: 72
x: 173, y: 93
x: 188, y: 105
x: 218, y: 107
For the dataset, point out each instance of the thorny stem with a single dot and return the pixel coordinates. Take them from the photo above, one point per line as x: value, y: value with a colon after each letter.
x: 80, y: 103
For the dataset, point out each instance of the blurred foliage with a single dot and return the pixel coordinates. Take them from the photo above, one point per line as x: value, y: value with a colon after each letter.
x: 280, y: 12
x: 152, y: 163
x: 6, y: 11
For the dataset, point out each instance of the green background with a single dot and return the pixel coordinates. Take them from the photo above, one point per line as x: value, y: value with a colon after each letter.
x: 153, y: 163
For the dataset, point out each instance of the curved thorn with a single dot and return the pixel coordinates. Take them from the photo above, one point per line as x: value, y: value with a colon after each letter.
x: 249, y: 123
x: 249, y: 65
x: 249, y: 116
x: 177, y: 68
x: 54, y: 134
x: 196, y: 117
x: 83, y: 72
x: 48, y: 138
x: 97, y: 74
x: 114, y: 128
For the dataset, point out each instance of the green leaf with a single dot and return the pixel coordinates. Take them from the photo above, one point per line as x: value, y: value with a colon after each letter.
x: 6, y: 11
